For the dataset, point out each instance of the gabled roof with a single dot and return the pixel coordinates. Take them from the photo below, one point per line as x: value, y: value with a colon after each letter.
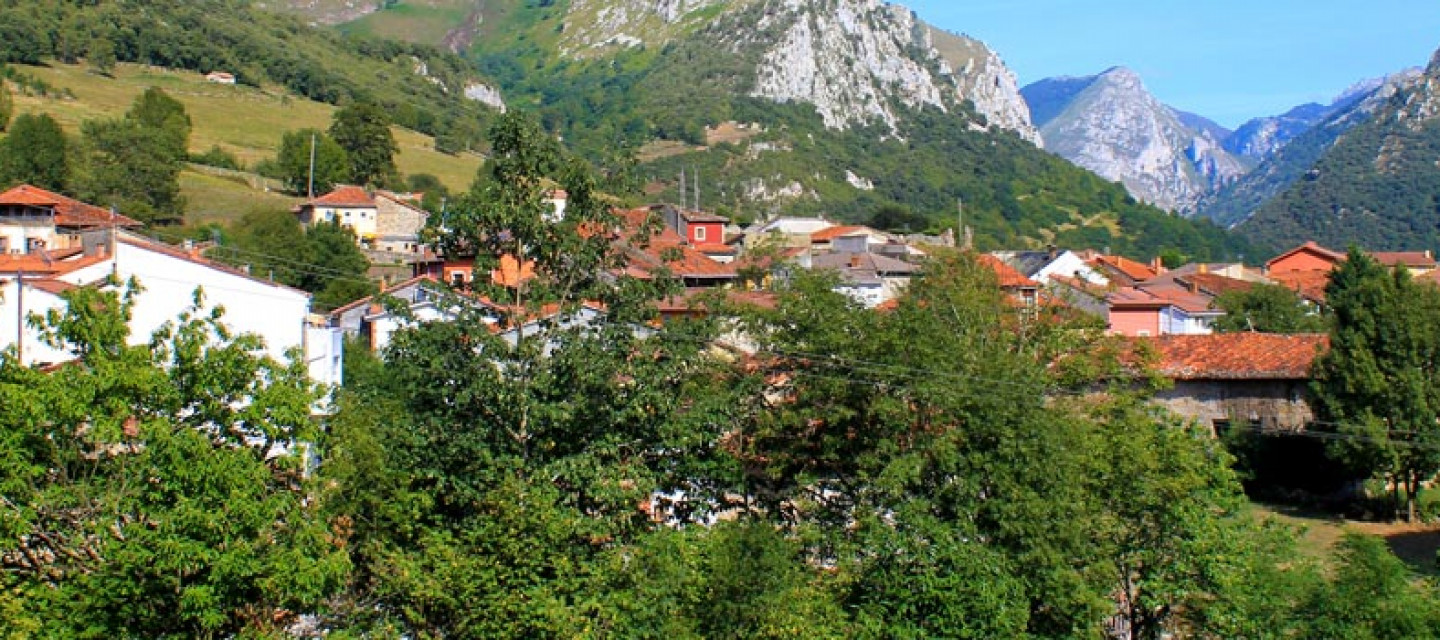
x: 1311, y: 247
x: 344, y: 196
x: 1132, y: 269
x: 48, y: 263
x: 1008, y: 276
x: 665, y: 249
x: 870, y: 262
x: 1161, y: 296
x: 69, y: 212
x: 1237, y: 356
x: 1028, y: 262
x: 1309, y: 284
x: 1214, y: 284
x: 831, y: 233
x: 1410, y: 259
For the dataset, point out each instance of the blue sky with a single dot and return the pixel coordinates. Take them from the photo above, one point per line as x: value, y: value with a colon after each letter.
x: 1228, y: 60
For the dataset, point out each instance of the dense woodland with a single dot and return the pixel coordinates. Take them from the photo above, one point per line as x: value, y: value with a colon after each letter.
x: 951, y: 468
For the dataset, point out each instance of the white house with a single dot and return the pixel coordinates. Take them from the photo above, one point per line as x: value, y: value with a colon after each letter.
x: 349, y: 206
x: 169, y: 277
x: 1041, y: 265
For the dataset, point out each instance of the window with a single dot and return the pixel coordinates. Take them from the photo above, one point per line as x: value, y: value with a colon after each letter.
x: 457, y: 278
x: 1143, y: 334
x: 699, y: 234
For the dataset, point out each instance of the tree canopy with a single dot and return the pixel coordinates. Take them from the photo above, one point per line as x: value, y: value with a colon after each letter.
x: 35, y: 152
x: 362, y: 129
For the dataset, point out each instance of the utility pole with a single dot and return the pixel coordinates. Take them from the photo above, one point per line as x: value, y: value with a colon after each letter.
x: 310, y: 189
x: 20, y: 317
x: 697, y: 188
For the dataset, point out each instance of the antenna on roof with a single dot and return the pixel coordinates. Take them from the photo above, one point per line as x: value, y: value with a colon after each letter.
x: 310, y: 187
x: 683, y: 192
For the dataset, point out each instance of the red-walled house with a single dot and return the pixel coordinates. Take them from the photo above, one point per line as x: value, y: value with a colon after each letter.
x: 1306, y: 257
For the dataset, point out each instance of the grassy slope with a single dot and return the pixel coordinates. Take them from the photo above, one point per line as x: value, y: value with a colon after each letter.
x: 245, y: 121
x: 423, y: 22
x: 1416, y: 544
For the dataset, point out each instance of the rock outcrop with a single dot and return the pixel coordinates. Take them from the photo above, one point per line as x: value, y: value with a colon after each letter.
x: 1111, y: 125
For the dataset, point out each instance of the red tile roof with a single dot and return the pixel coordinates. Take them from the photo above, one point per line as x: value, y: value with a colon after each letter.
x: 1009, y: 277
x: 1311, y: 247
x: 1309, y: 284
x: 692, y: 300
x: 345, y: 196
x: 665, y: 249
x: 1237, y: 356
x: 1416, y: 259
x: 1215, y: 284
x: 1159, y: 296
x: 1137, y: 271
x: 53, y: 264
x: 830, y: 233
x: 69, y: 212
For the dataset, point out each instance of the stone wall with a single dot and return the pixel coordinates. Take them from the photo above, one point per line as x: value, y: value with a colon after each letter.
x: 1274, y: 404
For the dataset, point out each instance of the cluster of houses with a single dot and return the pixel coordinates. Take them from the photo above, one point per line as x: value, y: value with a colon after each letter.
x: 50, y: 243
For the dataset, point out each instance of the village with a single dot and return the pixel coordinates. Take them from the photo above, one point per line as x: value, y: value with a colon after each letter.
x: 51, y: 243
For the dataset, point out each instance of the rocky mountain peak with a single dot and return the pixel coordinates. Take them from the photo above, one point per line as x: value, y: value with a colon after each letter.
x: 851, y: 58
x: 1109, y: 123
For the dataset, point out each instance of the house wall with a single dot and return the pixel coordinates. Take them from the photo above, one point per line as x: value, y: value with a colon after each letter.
x: 14, y: 322
x: 1135, y: 322
x: 1067, y: 263
x: 850, y: 244
x: 397, y: 226
x: 275, y: 313
x: 359, y: 219
x: 1275, y: 404
x: 1301, y: 261
x: 1174, y: 321
x: 705, y: 232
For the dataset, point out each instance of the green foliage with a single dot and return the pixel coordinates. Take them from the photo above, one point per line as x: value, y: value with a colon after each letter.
x: 144, y: 491
x: 1267, y: 308
x: 363, y: 131
x: 101, y: 55
x: 332, y: 163
x: 1373, y: 595
x: 134, y: 163
x: 35, y: 152
x: 7, y: 105
x: 322, y: 259
x: 217, y: 157
x: 1374, y: 187
x: 259, y: 47
x: 1377, y: 382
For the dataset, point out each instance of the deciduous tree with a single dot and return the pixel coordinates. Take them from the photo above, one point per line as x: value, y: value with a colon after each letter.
x: 363, y: 131
x: 35, y: 152
x: 331, y: 166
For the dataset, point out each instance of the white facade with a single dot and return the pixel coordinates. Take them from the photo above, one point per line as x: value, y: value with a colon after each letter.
x: 1175, y: 321
x: 169, y: 279
x: 15, y: 331
x: 1068, y: 264
x: 795, y: 225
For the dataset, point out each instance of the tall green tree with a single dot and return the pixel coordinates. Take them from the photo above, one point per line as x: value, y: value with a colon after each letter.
x: 100, y: 54
x: 322, y: 259
x: 35, y: 152
x: 331, y: 166
x: 134, y: 163
x: 1378, y: 383
x: 7, y: 105
x: 363, y: 131
x: 156, y: 490
x: 1267, y: 308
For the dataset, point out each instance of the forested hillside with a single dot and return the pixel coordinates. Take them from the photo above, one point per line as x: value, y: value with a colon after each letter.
x: 1378, y: 186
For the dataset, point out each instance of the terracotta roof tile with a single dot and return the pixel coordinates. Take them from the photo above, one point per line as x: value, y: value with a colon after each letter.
x: 68, y: 211
x: 1008, y: 276
x: 1136, y: 271
x: 831, y: 233
x: 1309, y: 284
x: 1417, y: 259
x: 511, y: 273
x: 1215, y: 284
x: 666, y: 249
x: 345, y: 196
x: 1237, y: 356
x: 1310, y: 247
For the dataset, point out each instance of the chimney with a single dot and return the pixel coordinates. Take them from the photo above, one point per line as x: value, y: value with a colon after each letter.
x: 1157, y: 265
x: 855, y: 261
x: 1052, y: 251
x: 1204, y: 268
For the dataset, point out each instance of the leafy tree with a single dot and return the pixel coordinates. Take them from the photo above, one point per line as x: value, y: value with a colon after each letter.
x: 363, y: 131
x: 154, y: 110
x: 35, y: 152
x: 894, y: 217
x: 1372, y: 595
x: 322, y: 259
x: 1377, y: 383
x: 134, y: 163
x: 1267, y: 308
x: 7, y: 105
x: 332, y: 164
x: 131, y: 168
x: 146, y: 488
x: 101, y: 55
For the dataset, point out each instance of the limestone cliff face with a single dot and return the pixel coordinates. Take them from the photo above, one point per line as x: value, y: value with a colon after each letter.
x: 852, y: 58
x: 1110, y: 124
x: 594, y: 26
